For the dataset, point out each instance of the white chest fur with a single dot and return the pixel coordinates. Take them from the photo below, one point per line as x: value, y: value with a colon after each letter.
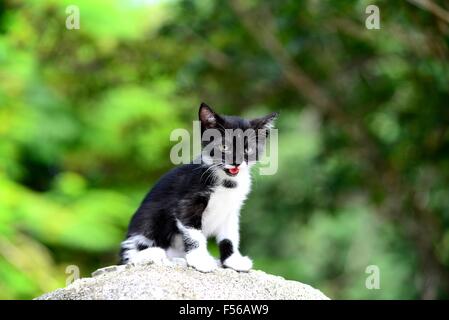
x: 225, y: 204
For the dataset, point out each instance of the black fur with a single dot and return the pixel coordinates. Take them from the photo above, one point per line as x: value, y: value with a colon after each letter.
x: 141, y: 246
x: 189, y: 243
x: 183, y: 194
x: 226, y: 249
x: 229, y: 184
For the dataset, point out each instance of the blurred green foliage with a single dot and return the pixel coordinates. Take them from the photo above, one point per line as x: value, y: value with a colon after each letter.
x: 86, y: 117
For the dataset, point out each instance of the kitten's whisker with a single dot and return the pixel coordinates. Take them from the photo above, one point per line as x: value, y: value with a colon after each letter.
x: 211, y: 169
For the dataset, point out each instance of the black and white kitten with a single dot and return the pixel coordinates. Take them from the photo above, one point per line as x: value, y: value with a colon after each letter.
x: 202, y: 199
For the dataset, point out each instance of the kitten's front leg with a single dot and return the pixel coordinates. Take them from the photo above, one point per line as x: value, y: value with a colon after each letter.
x: 228, y: 242
x: 195, y: 246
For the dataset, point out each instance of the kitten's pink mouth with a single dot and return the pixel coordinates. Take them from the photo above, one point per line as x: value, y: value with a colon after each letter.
x: 232, y: 171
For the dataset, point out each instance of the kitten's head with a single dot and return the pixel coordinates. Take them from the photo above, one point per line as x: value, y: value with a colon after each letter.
x: 231, y: 143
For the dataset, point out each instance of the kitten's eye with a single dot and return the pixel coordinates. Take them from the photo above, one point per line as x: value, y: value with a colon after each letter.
x: 223, y: 148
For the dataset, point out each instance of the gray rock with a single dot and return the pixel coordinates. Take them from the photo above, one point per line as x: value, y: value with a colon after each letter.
x: 178, y: 281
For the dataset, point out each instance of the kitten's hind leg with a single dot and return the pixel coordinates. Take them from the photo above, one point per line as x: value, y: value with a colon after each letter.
x: 150, y: 255
x: 140, y: 250
x: 195, y: 246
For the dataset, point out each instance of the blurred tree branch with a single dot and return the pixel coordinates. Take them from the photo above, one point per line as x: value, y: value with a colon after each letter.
x: 433, y: 8
x: 263, y: 30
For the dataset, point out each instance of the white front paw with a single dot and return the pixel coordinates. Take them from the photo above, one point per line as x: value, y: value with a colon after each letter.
x: 238, y: 262
x: 201, y: 261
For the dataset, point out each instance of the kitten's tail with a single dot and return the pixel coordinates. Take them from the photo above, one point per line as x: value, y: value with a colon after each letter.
x: 132, y: 246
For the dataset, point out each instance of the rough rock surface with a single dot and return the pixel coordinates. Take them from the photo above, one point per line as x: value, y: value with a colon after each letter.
x: 178, y: 281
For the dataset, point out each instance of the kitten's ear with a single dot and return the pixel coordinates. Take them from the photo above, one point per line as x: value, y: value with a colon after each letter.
x: 266, y: 122
x: 208, y: 117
